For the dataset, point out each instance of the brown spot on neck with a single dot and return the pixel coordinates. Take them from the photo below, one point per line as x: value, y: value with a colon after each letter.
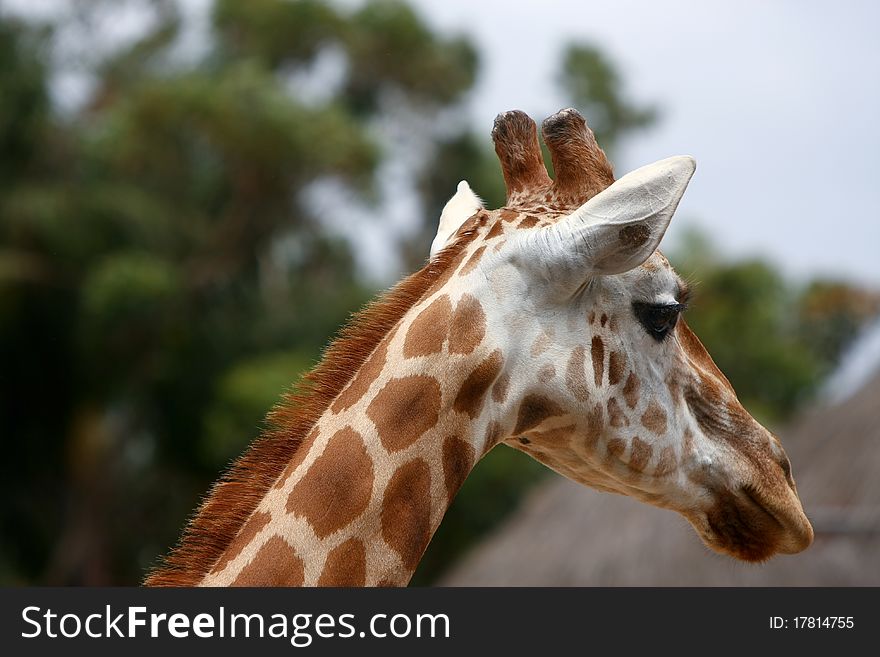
x: 247, y: 534
x: 528, y: 222
x: 428, y: 330
x: 404, y: 409
x: 337, y: 487
x: 406, y: 511
x: 473, y: 391
x: 499, y: 390
x: 362, y: 381
x: 533, y: 410
x: 276, y: 564
x: 298, y: 458
x: 346, y: 565
x: 468, y: 326
x: 458, y: 459
x: 472, y: 261
x: 496, y: 230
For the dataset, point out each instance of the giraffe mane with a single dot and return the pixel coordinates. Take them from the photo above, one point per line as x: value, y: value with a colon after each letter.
x: 235, y: 495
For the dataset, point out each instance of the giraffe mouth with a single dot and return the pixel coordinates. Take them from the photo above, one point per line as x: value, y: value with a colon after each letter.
x: 746, y: 526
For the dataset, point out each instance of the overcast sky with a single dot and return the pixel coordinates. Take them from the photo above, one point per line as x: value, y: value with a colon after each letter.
x: 779, y: 102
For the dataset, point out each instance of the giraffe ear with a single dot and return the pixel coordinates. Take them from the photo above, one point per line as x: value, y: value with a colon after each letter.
x: 619, y: 228
x: 457, y: 210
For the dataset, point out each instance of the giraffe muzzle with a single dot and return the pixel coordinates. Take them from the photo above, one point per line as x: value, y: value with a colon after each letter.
x: 750, y: 525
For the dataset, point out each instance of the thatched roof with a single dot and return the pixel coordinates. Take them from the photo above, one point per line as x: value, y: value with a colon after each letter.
x: 568, y: 535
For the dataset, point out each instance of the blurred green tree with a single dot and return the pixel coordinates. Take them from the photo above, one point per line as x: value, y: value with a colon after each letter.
x: 162, y: 275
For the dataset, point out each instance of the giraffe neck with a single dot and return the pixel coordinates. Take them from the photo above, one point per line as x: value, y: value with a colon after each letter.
x: 362, y: 496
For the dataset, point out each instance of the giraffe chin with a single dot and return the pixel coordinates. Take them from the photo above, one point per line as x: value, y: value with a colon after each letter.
x: 742, y: 526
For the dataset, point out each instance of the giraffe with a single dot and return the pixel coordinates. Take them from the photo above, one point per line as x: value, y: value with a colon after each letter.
x: 552, y: 325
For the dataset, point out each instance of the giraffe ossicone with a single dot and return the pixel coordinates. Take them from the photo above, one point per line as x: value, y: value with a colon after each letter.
x: 551, y: 325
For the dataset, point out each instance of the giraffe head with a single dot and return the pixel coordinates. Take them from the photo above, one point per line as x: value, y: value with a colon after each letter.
x: 603, y: 381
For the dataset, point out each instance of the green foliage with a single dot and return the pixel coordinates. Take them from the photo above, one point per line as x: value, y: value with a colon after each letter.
x: 243, y: 394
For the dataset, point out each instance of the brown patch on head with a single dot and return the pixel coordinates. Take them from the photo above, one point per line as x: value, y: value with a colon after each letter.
x: 616, y: 366
x: 428, y: 330
x: 251, y: 528
x: 406, y: 511
x: 473, y: 391
x: 346, y: 565
x: 362, y: 381
x: 654, y: 418
x: 509, y: 215
x: 546, y: 373
x: 575, y: 374
x: 631, y: 390
x: 472, y: 261
x: 496, y: 230
x: 337, y: 487
x: 298, y: 457
x: 597, y: 350
x: 633, y: 236
x: 404, y: 409
x: 468, y: 326
x: 640, y: 454
x: 666, y: 463
x: 616, y: 418
x: 533, y: 410
x: 458, y: 459
x: 529, y: 222
x: 276, y: 564
x: 499, y: 390
x: 603, y: 320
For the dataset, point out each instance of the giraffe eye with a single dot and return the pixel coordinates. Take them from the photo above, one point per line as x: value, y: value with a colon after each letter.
x: 657, y: 319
